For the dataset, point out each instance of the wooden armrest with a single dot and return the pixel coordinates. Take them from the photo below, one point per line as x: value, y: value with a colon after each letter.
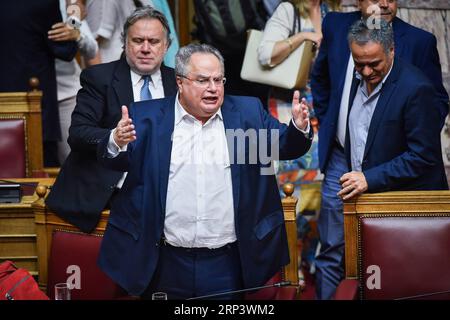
x: 52, y: 172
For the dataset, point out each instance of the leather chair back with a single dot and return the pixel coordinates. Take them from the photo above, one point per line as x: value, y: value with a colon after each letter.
x: 396, y: 246
x: 12, y: 147
x: 21, y: 134
x: 73, y: 259
x: 410, y: 255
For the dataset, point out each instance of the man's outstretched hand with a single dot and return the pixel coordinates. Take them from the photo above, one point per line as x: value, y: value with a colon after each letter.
x: 124, y: 132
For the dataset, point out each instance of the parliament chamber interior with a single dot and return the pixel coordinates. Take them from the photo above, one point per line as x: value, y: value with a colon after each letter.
x: 396, y: 241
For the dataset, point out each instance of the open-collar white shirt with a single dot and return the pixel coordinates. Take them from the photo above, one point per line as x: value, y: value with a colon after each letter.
x: 199, y: 204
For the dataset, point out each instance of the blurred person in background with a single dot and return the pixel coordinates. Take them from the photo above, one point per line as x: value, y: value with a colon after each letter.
x: 28, y: 52
x: 224, y: 24
x: 106, y: 19
x: 68, y: 72
x: 279, y: 40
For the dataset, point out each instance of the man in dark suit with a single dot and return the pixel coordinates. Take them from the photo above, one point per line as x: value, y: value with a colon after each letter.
x: 27, y: 52
x: 331, y: 80
x: 83, y: 187
x: 392, y: 141
x: 199, y: 212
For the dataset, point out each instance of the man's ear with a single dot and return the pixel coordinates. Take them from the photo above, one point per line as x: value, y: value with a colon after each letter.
x: 179, y: 84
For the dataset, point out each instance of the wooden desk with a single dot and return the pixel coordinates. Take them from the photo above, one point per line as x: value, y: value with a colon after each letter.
x: 17, y: 229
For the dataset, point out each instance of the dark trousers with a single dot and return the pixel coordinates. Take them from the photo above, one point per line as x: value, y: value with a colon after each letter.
x: 185, y: 273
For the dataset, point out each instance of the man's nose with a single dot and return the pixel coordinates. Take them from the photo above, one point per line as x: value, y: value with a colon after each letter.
x: 145, y: 46
x: 383, y: 3
x: 366, y: 71
x: 212, y: 87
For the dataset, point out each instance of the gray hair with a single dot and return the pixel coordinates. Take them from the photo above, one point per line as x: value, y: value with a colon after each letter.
x: 361, y: 33
x: 145, y: 12
x: 184, y: 55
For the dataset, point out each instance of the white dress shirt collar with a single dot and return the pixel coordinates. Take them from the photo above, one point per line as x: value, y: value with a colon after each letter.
x: 135, y: 78
x: 180, y: 112
x: 199, y: 203
x: 155, y: 86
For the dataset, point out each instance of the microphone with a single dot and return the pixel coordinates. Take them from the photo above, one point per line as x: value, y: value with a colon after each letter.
x: 425, y: 295
x: 214, y: 295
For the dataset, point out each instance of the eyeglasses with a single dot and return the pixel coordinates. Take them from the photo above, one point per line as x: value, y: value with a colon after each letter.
x: 205, y: 82
x: 377, y: 1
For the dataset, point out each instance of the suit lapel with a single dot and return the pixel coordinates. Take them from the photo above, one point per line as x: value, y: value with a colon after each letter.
x: 355, y: 84
x: 343, y: 48
x: 122, y: 83
x: 386, y: 93
x: 345, y: 52
x: 168, y: 81
x: 232, y: 121
x: 165, y: 130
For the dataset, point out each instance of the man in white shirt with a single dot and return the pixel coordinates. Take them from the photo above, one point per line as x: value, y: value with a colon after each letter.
x: 197, y: 214
x: 83, y: 187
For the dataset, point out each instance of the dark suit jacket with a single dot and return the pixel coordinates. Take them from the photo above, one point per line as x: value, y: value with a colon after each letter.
x: 129, y: 252
x: 27, y: 52
x: 412, y: 44
x: 83, y: 187
x: 403, y: 148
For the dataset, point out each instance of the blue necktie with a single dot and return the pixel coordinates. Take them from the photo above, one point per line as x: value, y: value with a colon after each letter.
x: 145, y: 91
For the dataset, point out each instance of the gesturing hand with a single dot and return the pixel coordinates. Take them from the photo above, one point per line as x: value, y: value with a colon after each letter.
x: 300, y: 111
x: 124, y: 132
